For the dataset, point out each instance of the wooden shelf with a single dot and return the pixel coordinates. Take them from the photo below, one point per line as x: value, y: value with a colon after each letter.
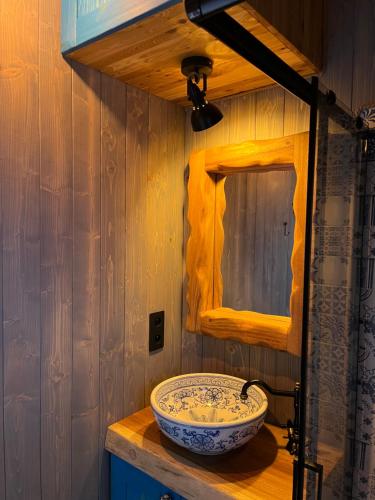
x: 147, y: 54
x: 261, y: 470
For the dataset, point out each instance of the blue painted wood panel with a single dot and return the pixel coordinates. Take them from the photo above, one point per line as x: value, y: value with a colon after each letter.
x: 68, y: 24
x: 87, y: 6
x: 129, y: 483
x: 84, y: 21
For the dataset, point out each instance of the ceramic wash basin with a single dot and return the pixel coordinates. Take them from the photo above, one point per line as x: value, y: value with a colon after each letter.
x: 203, y: 412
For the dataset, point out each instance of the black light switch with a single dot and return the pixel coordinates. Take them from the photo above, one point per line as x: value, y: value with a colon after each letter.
x: 156, y: 331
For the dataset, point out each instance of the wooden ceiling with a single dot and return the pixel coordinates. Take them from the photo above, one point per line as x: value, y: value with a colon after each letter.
x: 148, y: 55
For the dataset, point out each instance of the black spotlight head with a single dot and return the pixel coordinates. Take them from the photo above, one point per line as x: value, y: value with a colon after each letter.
x: 204, y: 114
x: 205, y: 117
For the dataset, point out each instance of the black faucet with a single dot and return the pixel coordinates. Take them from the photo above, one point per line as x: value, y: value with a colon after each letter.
x: 292, y: 426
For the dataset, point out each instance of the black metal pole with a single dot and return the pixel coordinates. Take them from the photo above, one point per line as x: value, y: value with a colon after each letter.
x: 306, y: 284
x: 231, y: 33
x: 201, y: 8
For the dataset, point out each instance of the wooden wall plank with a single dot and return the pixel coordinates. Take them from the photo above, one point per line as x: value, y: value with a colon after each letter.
x: 136, y: 314
x: 214, y: 349
x: 68, y: 24
x: 112, y: 324
x: 338, y: 68
x: 19, y: 166
x: 364, y: 48
x: 192, y: 345
x: 2, y: 455
x: 62, y: 168
x: 296, y: 120
x: 241, y: 123
x: 86, y: 281
x: 294, y: 21
x: 56, y: 181
x: 175, y: 231
x: 156, y: 215
x: 269, y: 123
x: 164, y: 228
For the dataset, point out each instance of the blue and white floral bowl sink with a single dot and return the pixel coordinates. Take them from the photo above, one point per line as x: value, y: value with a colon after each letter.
x: 203, y: 412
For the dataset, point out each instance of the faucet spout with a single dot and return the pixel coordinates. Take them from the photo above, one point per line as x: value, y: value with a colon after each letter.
x: 268, y: 388
x: 292, y: 426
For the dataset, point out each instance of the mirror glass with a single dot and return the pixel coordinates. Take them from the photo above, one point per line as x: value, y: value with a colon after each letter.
x: 259, y: 228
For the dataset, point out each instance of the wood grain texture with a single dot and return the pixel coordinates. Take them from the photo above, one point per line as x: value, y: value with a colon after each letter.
x: 248, y: 327
x: 296, y: 120
x: 164, y: 228
x: 269, y: 113
x: 96, y: 17
x: 364, y: 64
x: 113, y: 242
x: 148, y: 53
x: 2, y: 454
x: 63, y: 250
x: 298, y: 24
x: 206, y: 241
x: 20, y: 180
x: 136, y: 313
x: 68, y: 24
x: 338, y: 71
x: 270, y: 106
x: 241, y: 113
x: 191, y: 345
x: 214, y: 349
x: 56, y: 219
x: 87, y: 6
x: 260, y: 470
x: 86, y: 281
x: 201, y: 243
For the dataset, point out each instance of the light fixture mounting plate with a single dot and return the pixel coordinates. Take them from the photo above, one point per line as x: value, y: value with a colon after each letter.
x: 196, y: 65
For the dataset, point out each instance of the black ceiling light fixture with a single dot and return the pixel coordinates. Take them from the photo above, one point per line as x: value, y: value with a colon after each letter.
x: 204, y: 114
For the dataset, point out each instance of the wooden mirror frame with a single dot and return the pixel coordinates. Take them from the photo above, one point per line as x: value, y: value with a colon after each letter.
x: 206, y: 195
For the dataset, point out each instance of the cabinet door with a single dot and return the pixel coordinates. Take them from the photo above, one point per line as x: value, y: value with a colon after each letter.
x: 129, y: 483
x: 87, y: 20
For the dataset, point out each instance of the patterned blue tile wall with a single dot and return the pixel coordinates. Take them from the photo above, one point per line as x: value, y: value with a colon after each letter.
x: 334, y: 309
x: 341, y: 410
x: 364, y: 468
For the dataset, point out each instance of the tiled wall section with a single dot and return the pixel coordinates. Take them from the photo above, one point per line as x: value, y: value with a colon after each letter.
x: 334, y: 311
x: 364, y: 471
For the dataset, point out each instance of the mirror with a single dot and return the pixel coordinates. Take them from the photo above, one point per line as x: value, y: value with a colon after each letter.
x: 208, y: 172
x: 258, y: 241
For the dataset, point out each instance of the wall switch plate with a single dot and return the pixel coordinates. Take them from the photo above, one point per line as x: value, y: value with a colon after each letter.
x: 156, y: 331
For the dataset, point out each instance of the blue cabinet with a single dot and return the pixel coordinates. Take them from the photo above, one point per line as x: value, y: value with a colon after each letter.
x: 83, y: 21
x: 129, y: 483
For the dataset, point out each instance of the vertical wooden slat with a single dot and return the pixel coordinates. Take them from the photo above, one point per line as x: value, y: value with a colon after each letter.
x: 192, y: 345
x: 2, y: 456
x: 68, y: 24
x: 56, y: 257
x: 86, y: 281
x: 364, y: 48
x: 20, y: 165
x: 112, y: 323
x: 338, y: 67
x: 164, y: 235
x: 269, y: 124
x: 214, y: 349
x: 241, y: 123
x: 136, y: 317
x: 175, y: 231
x: 296, y: 120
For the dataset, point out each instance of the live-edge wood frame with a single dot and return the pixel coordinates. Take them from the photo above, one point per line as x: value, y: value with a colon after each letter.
x: 207, y: 172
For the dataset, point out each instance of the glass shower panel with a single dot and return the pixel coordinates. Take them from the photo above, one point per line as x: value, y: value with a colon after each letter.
x: 334, y: 302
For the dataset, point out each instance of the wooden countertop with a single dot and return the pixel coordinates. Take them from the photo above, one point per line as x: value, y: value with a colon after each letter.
x: 260, y: 470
